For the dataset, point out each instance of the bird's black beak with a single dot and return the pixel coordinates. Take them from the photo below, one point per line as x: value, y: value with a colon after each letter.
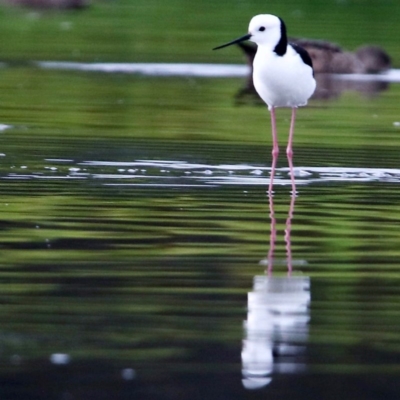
x: 238, y: 40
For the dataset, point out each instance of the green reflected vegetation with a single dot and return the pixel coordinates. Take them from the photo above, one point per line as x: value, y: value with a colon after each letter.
x: 72, y: 105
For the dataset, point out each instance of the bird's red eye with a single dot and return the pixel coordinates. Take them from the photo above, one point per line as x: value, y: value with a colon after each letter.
x: 261, y: 29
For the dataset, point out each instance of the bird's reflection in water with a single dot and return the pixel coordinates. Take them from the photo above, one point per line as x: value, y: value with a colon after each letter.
x: 276, y: 328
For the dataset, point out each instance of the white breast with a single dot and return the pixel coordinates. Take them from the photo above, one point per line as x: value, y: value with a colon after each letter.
x: 282, y: 81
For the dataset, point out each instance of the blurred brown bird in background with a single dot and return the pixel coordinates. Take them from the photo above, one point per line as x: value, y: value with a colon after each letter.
x: 329, y: 58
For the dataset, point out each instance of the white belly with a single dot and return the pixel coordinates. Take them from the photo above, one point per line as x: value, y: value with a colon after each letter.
x: 282, y: 81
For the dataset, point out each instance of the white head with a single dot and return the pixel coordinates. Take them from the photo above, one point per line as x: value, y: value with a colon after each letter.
x: 267, y: 29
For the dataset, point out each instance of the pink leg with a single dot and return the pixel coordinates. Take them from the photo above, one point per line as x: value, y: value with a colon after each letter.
x: 275, y: 149
x: 271, y: 178
x: 289, y: 150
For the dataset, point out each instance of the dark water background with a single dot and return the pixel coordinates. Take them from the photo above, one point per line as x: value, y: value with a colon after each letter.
x: 141, y: 256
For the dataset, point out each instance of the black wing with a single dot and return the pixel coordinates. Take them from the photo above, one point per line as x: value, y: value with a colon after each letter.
x: 303, y: 53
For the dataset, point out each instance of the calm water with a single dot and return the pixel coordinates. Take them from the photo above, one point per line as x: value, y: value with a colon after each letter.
x: 159, y: 267
x: 141, y: 256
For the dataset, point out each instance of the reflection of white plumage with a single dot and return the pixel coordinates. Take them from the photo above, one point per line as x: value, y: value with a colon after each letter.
x: 282, y: 72
x: 277, y: 324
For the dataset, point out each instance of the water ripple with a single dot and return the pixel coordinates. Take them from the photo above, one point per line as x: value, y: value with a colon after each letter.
x: 183, y: 173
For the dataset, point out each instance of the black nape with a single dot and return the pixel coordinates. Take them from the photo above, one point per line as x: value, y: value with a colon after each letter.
x: 281, y: 46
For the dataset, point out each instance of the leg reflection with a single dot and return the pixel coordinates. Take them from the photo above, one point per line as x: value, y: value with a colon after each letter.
x: 271, y: 260
x: 288, y: 232
x: 272, y: 237
x: 276, y: 328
